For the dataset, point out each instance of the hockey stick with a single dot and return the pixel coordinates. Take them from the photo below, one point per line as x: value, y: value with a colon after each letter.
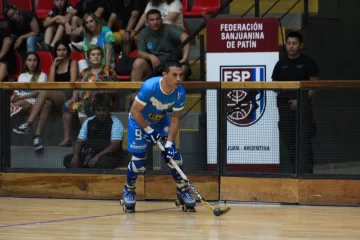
x: 215, y: 211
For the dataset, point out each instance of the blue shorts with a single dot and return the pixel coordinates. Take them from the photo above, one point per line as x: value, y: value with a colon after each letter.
x: 136, y: 142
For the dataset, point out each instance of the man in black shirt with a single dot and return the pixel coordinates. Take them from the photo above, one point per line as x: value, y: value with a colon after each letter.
x: 24, y: 27
x: 128, y: 12
x: 296, y: 67
x: 7, y: 55
x: 99, y: 141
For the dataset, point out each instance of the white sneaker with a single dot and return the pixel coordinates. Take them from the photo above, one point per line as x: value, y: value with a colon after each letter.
x: 38, y: 143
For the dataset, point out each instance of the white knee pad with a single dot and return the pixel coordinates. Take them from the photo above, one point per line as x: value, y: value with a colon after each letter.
x: 137, y: 164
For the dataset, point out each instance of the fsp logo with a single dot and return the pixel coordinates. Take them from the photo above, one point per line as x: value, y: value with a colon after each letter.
x: 160, y: 106
x: 244, y: 107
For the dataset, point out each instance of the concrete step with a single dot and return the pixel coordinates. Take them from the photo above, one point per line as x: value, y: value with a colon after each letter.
x: 53, y: 131
x: 49, y: 157
x: 26, y: 157
x: 191, y: 144
x: 239, y: 7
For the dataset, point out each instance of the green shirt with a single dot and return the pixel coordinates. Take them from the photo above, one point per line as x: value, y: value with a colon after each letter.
x: 161, y: 43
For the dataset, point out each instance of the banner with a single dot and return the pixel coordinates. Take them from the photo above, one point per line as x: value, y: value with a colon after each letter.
x: 243, y: 50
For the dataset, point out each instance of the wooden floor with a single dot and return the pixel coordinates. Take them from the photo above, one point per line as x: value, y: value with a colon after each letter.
x: 40, y: 219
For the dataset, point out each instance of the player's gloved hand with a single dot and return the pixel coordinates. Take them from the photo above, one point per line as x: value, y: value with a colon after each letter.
x: 151, y: 135
x: 169, y: 152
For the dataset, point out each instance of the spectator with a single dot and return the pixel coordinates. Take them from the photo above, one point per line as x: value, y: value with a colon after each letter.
x: 171, y: 13
x: 63, y: 69
x: 81, y: 100
x: 128, y: 12
x: 24, y: 25
x: 97, y: 34
x: 296, y: 67
x: 7, y: 55
x: 25, y: 99
x: 99, y: 141
x: 55, y: 22
x: 156, y: 43
x: 74, y: 22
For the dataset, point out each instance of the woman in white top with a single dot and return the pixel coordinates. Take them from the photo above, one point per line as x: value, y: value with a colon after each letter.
x: 171, y: 13
x: 25, y: 99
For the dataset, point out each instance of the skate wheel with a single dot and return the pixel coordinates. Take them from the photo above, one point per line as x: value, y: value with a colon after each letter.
x: 124, y: 208
x: 177, y: 203
x: 184, y: 208
x: 122, y: 202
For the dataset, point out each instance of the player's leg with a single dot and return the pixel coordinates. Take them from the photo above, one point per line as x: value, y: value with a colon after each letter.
x: 136, y: 166
x: 182, y: 190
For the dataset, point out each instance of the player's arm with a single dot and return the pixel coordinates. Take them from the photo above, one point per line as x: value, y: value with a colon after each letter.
x: 135, y: 111
x: 174, y: 126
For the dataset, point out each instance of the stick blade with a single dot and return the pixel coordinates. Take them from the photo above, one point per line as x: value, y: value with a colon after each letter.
x: 226, y: 210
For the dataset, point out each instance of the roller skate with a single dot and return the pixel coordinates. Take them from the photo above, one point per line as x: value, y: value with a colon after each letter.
x: 128, y: 200
x: 185, y: 200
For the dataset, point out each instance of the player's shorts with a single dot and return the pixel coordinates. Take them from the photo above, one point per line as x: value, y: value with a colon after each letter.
x: 136, y: 142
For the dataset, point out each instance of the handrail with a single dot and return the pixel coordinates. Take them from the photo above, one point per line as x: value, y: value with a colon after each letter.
x: 289, y: 9
x: 260, y: 85
x: 270, y: 8
x: 247, y: 11
x: 188, y: 85
x: 99, y: 85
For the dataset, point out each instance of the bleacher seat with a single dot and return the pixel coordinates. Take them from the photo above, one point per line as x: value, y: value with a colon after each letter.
x: 73, y: 2
x: 19, y: 66
x: 22, y: 4
x: 1, y: 10
x: 200, y: 8
x: 46, y: 60
x: 43, y: 7
x: 133, y: 54
x: 77, y: 55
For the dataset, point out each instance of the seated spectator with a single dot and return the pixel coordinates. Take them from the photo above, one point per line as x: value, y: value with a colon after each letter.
x: 25, y: 99
x: 97, y: 34
x: 74, y: 20
x: 63, y: 69
x: 171, y: 13
x: 99, y: 141
x: 156, y: 43
x: 7, y: 55
x: 81, y: 99
x: 128, y: 13
x: 55, y: 22
x: 24, y: 25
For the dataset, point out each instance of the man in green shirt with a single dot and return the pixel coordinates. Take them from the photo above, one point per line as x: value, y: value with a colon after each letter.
x: 156, y: 43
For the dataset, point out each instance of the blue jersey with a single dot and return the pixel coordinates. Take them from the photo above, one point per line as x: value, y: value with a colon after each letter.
x: 157, y: 103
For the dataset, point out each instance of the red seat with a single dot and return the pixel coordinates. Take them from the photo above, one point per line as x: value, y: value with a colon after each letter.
x: 77, y: 55
x: 133, y: 54
x: 73, y: 2
x: 19, y: 66
x: 46, y: 60
x: 200, y: 8
x: 43, y: 7
x: 22, y: 4
x: 1, y: 10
